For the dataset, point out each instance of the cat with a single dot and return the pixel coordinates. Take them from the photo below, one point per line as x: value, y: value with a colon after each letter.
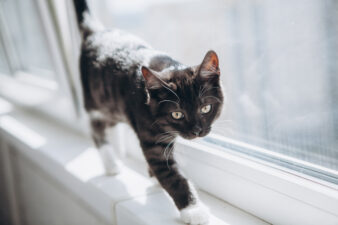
x: 125, y: 80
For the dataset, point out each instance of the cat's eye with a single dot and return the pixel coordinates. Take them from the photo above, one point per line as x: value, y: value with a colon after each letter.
x: 177, y: 115
x: 205, y: 109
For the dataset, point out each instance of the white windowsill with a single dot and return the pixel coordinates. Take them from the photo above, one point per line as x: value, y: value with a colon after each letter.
x: 267, y: 191
x: 128, y: 198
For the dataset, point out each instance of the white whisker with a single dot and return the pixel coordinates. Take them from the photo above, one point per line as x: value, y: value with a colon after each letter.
x: 219, y: 100
x: 156, y: 121
x: 168, y: 101
x: 204, y: 91
x: 171, y: 92
x: 164, y: 138
x: 166, y: 156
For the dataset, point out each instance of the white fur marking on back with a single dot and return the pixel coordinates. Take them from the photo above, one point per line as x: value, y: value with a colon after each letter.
x: 178, y: 67
x: 126, y: 49
x: 108, y: 43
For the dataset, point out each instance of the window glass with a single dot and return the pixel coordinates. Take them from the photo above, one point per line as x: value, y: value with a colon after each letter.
x: 27, y: 37
x: 281, y: 65
x: 278, y: 64
x: 3, y: 61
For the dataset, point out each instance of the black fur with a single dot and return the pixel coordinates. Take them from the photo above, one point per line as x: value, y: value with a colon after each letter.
x: 127, y: 81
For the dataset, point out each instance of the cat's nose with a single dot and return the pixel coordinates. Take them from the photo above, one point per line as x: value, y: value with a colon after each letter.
x: 197, y: 130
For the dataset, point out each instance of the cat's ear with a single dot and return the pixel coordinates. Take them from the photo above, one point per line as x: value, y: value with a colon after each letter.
x: 153, y: 81
x: 209, y: 67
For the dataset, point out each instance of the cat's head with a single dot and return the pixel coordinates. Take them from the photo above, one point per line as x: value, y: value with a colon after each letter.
x: 186, y: 101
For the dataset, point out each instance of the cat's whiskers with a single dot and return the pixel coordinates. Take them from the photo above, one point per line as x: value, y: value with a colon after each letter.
x: 170, y: 152
x: 169, y: 148
x: 164, y: 138
x: 217, y: 99
x: 222, y: 121
x: 201, y: 92
x: 170, y: 132
x: 223, y: 124
x: 166, y: 100
x: 205, y: 90
x: 166, y: 135
x: 155, y: 122
x: 171, y: 92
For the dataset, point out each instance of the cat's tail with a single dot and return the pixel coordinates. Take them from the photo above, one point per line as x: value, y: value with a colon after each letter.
x: 86, y: 21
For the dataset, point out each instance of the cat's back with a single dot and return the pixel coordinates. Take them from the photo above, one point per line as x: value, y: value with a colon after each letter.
x: 110, y: 68
x: 123, y: 50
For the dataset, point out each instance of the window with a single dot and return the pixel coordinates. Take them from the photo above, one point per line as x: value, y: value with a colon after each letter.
x: 27, y: 39
x: 278, y: 64
x: 31, y: 56
x: 281, y: 60
x: 3, y: 62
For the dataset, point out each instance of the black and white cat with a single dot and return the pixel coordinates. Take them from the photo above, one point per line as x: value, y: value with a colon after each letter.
x: 125, y: 80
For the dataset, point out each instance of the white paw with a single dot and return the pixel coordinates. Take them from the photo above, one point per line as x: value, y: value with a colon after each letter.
x: 112, y: 165
x: 195, y: 214
x: 113, y: 168
x: 112, y: 171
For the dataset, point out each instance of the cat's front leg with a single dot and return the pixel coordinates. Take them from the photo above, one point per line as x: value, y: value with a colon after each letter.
x: 111, y: 163
x: 164, y: 168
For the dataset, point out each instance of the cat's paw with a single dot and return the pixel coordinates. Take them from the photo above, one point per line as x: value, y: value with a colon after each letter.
x: 113, y: 169
x: 196, y: 214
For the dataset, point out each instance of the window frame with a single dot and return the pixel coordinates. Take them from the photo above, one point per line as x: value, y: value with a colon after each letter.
x: 326, y: 176
x: 257, y: 186
x: 64, y: 102
x: 269, y: 191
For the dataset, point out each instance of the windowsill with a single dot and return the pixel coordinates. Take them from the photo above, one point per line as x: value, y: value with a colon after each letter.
x: 128, y: 198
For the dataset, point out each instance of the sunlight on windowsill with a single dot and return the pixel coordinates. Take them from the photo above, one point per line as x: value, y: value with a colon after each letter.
x: 22, y: 132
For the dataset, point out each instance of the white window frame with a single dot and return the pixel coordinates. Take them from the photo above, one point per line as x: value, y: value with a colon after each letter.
x: 271, y: 192
x: 63, y: 104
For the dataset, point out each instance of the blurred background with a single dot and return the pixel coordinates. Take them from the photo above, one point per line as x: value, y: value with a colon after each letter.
x: 278, y: 63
